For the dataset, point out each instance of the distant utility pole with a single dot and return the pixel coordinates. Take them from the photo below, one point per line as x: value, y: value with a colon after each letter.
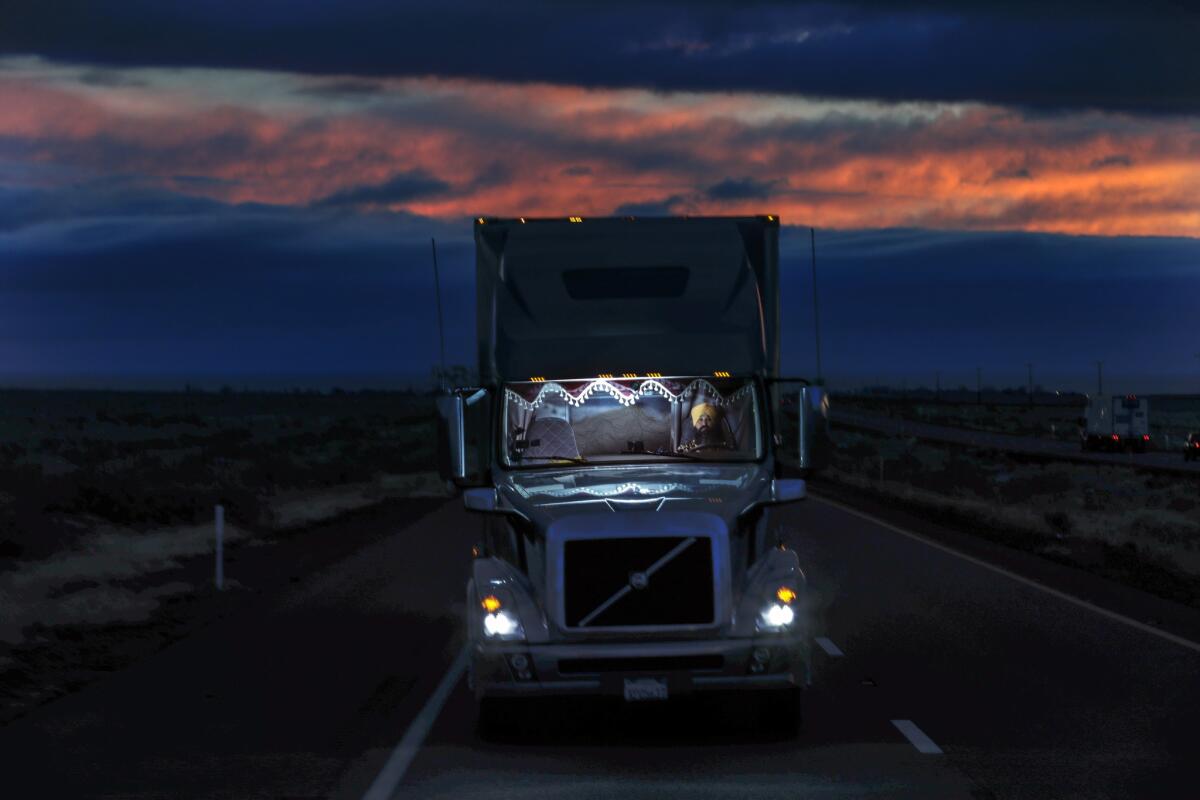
x: 978, y: 386
x: 1029, y: 366
x: 1099, y: 378
x: 816, y: 308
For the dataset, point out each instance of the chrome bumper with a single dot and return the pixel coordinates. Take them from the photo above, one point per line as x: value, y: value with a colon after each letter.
x: 600, y: 668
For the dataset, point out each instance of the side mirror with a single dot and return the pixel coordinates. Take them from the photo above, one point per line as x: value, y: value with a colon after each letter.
x: 452, y: 453
x: 787, y: 490
x: 463, y: 437
x: 484, y: 499
x: 815, y: 443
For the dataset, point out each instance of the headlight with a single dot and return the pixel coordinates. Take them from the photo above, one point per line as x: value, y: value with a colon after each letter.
x: 498, y: 621
x: 778, y: 614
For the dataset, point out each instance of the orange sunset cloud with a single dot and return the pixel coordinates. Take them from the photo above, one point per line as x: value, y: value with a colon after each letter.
x: 453, y: 148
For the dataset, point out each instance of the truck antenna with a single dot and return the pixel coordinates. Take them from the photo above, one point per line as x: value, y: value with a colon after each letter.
x: 816, y: 309
x: 437, y: 288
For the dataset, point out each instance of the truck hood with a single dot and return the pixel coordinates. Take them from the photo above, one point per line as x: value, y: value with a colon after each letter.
x: 722, y: 490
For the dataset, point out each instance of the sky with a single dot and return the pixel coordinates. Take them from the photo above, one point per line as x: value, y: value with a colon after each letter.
x: 204, y: 191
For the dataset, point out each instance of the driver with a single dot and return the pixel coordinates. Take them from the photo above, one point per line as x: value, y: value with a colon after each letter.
x: 707, y: 430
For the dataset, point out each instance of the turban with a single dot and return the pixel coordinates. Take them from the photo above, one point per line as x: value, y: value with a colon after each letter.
x: 705, y: 408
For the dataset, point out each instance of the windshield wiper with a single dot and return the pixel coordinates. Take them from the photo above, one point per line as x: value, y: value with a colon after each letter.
x: 676, y: 454
x: 572, y: 459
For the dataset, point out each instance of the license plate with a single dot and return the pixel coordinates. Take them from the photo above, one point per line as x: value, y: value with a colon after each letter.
x: 645, y: 689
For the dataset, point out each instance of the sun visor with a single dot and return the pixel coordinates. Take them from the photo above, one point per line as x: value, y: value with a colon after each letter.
x: 674, y: 296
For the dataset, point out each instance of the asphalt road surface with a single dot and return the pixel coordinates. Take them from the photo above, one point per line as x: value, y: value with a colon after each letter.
x: 939, y: 677
x: 1170, y: 461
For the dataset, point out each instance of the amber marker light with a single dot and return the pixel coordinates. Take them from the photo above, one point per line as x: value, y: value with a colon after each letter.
x: 491, y: 604
x: 785, y: 594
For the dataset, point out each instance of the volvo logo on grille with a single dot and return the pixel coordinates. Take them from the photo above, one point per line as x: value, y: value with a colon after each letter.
x: 639, y: 580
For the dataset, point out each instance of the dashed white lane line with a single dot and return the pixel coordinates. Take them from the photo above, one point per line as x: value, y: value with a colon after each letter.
x: 916, y: 736
x: 1070, y: 598
x: 829, y: 647
x: 388, y: 780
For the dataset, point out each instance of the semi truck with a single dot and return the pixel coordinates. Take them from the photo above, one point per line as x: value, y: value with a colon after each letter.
x: 1116, y: 423
x: 628, y: 447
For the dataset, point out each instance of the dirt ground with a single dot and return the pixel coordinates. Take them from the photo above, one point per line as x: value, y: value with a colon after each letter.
x: 1136, y: 527
x: 139, y: 614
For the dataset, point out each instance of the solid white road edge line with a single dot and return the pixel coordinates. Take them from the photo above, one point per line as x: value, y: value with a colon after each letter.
x: 829, y: 647
x: 385, y: 783
x: 916, y: 736
x: 1070, y: 598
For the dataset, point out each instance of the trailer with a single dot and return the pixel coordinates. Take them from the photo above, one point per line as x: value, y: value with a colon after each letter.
x: 628, y: 445
x: 1116, y: 423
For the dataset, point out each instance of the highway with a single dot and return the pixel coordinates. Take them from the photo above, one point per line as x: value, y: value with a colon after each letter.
x: 1161, y: 461
x: 325, y: 691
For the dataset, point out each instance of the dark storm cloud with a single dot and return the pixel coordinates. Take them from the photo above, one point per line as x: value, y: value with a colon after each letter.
x: 1061, y: 54
x: 403, y: 187
x: 742, y: 189
x: 348, y: 87
x: 1112, y: 161
x: 1012, y: 173
x: 230, y: 290
x: 259, y: 291
x: 120, y: 198
x: 653, y: 208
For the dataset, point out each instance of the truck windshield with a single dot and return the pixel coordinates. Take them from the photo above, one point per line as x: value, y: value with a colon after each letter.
x: 607, y: 420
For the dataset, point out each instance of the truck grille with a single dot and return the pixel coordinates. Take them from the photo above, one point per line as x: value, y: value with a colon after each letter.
x: 638, y: 582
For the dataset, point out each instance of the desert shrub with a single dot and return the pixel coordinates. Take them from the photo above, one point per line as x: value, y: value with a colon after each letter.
x: 1059, y: 521
x: 1162, y: 528
x: 1182, y: 504
x: 11, y: 452
x: 1023, y: 488
x: 969, y: 476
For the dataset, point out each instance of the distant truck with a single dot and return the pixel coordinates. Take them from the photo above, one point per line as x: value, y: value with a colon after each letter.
x: 1191, y: 448
x: 627, y: 443
x: 1116, y: 423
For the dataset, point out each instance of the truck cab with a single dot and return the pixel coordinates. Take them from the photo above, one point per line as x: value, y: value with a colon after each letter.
x: 628, y: 446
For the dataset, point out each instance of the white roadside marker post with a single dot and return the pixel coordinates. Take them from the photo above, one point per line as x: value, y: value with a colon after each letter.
x: 220, y: 525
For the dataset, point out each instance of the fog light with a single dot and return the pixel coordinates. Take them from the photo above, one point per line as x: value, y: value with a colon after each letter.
x: 519, y: 661
x: 502, y: 625
x: 777, y: 617
x: 762, y: 655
